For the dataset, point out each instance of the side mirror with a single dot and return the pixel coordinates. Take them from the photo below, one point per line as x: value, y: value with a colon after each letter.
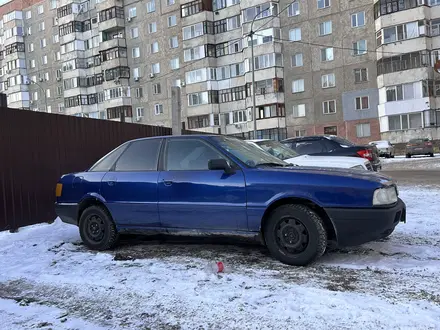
x: 220, y: 164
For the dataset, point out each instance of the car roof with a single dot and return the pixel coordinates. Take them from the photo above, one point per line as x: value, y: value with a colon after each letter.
x: 258, y: 140
x: 309, y: 137
x: 203, y: 136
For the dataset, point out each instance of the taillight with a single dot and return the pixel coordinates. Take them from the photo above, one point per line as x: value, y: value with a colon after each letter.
x: 365, y: 154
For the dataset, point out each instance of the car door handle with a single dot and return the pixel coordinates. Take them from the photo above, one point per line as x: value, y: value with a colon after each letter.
x: 167, y: 182
x: 111, y: 182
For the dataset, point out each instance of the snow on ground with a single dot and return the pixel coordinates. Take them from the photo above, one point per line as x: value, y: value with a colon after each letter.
x: 48, y: 279
x: 413, y: 163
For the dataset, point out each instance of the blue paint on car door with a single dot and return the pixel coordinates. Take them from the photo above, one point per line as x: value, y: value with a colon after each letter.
x: 130, y: 188
x: 192, y: 196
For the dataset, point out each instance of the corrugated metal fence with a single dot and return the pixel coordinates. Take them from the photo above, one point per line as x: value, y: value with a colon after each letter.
x: 37, y: 148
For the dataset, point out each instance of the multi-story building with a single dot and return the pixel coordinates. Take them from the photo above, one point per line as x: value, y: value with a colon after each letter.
x: 314, y: 61
x: 331, y: 65
x: 408, y: 44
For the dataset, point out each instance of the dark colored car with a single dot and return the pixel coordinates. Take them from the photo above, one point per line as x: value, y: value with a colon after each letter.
x: 332, y: 145
x: 419, y: 147
x: 218, y: 185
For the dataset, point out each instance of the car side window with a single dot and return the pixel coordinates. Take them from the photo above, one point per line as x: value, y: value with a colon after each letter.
x: 189, y: 155
x: 140, y: 155
x: 105, y: 164
x: 309, y: 147
x: 328, y: 145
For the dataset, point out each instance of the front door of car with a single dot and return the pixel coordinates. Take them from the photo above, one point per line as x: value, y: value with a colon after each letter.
x: 193, y: 197
x: 130, y: 187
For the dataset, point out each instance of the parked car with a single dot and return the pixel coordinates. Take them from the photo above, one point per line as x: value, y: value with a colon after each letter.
x: 385, y: 148
x: 283, y: 152
x: 219, y: 185
x: 419, y: 147
x: 332, y: 145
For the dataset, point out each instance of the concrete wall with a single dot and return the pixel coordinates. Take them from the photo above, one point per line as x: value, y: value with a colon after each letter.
x: 349, y: 104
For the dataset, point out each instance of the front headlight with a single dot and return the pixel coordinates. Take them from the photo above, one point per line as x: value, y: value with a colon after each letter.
x: 385, y: 196
x: 358, y: 167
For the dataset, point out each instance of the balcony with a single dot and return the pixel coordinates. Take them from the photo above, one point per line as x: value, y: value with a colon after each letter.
x: 111, y: 24
x: 112, y: 43
x: 113, y: 63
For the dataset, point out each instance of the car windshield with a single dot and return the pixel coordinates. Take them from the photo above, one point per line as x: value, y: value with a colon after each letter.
x: 277, y: 149
x: 248, y: 153
x: 342, y: 141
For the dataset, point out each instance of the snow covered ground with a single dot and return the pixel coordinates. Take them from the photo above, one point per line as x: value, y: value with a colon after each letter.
x: 413, y: 163
x: 49, y: 280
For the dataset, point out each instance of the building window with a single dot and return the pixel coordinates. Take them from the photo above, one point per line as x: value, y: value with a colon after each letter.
x: 174, y: 43
x: 359, y: 47
x: 43, y: 43
x: 155, y: 68
x: 385, y: 7
x: 47, y: 92
x: 200, y: 98
x: 154, y: 47
x: 198, y: 122
x: 110, y: 13
x: 261, y: 11
x: 299, y: 110
x: 358, y: 19
x: 174, y: 63
x: 170, y: 2
x: 298, y: 86
x: 233, y: 94
x: 132, y: 12
x: 397, y: 33
x: 41, y: 26
x: 270, y: 111
x: 135, y: 52
x: 139, y: 92
x: 151, y: 6
x: 40, y: 9
x: 158, y: 109
x: 156, y: 89
x: 136, y: 73
x: 172, y: 20
x: 360, y: 75
x: 139, y: 113
x: 194, y: 7
x: 329, y: 107
x: 297, y: 60
x: 134, y: 32
x: 328, y: 80
x: 239, y: 116
x: 325, y: 28
x: 28, y: 14
x: 44, y: 59
x: 327, y: 54
x: 55, y: 38
x: 362, y: 102
x: 293, y: 9
x: 53, y: 4
x: 299, y: 133
x: 323, y: 4
x: 295, y: 34
x: 268, y: 60
x: 406, y: 121
x: 30, y: 47
x: 152, y: 27
x: 395, y: 93
x: 363, y: 130
x: 331, y: 130
x: 198, y: 29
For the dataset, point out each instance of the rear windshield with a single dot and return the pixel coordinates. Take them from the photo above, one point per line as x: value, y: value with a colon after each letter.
x: 342, y: 141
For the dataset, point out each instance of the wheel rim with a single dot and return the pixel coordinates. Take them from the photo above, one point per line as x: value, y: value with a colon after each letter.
x: 292, y: 236
x: 95, y: 228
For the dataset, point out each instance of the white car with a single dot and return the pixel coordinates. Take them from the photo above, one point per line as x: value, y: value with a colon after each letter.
x: 279, y: 150
x: 385, y: 148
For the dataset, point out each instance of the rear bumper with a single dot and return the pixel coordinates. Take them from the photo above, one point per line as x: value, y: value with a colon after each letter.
x: 359, y: 226
x: 68, y: 213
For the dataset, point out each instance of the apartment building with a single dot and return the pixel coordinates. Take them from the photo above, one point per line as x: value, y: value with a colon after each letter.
x: 118, y: 59
x: 331, y: 65
x: 408, y: 44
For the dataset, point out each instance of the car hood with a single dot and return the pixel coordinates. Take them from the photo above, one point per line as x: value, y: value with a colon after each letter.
x: 335, y: 172
x: 326, y: 161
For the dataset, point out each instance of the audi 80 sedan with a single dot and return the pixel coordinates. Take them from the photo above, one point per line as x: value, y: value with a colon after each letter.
x: 219, y: 185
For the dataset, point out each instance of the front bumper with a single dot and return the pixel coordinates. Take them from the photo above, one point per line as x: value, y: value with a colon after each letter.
x: 359, y: 226
x: 68, y: 213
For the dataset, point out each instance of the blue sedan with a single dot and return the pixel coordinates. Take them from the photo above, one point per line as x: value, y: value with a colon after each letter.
x: 220, y: 185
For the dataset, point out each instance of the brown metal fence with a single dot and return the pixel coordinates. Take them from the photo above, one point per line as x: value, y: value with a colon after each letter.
x: 37, y: 148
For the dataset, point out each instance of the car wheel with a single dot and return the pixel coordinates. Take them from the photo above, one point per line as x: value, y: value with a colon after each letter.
x: 408, y: 155
x: 97, y: 229
x: 392, y: 156
x: 295, y: 235
x: 431, y: 154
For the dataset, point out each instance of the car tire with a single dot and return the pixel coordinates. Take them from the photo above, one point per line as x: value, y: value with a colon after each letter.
x: 97, y: 228
x: 304, y: 227
x: 408, y: 155
x: 431, y: 155
x: 392, y: 156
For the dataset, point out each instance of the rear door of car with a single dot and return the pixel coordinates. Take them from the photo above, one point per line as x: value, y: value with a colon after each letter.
x: 193, y: 197
x: 130, y: 187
